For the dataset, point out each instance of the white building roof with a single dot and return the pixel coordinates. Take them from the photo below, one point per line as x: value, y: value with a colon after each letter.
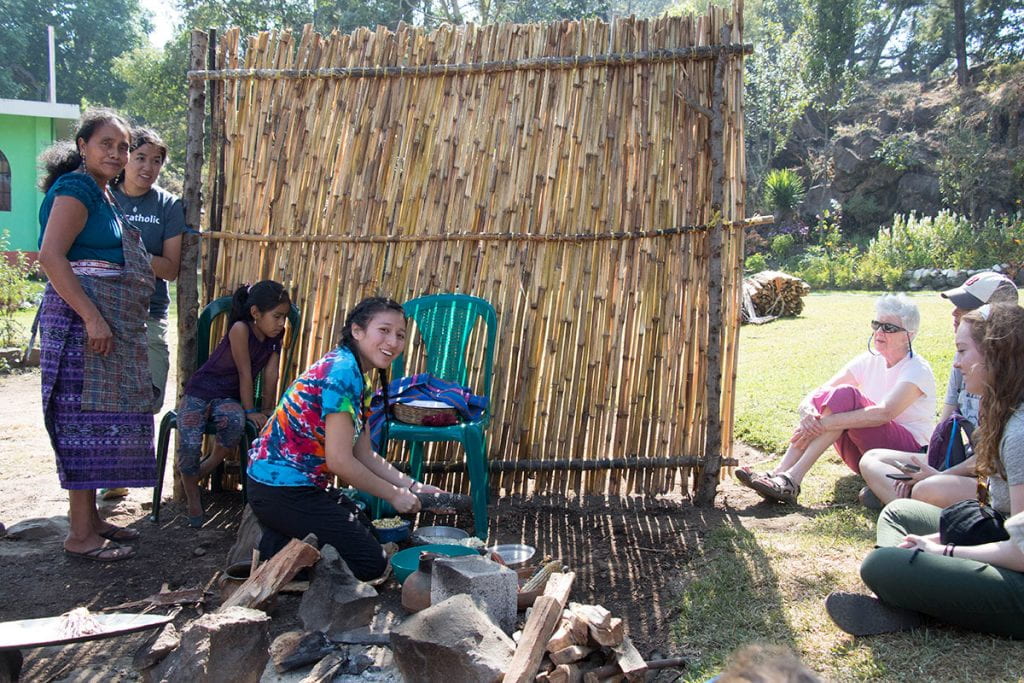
x: 50, y: 110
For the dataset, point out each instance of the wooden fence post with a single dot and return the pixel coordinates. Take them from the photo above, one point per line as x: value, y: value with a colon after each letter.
x: 707, y: 482
x: 188, y: 282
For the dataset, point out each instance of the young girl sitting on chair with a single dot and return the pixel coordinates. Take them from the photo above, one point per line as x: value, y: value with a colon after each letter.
x: 221, y: 391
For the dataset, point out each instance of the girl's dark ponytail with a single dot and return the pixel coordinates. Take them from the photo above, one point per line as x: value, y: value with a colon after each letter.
x: 265, y: 295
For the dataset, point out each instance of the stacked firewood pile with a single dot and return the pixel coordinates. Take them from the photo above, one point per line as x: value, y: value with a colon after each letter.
x: 566, y: 642
x: 771, y: 294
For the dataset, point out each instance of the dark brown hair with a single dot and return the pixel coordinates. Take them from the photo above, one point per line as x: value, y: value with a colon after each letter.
x: 63, y: 156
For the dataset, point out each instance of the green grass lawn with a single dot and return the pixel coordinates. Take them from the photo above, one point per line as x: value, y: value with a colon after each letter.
x: 764, y: 575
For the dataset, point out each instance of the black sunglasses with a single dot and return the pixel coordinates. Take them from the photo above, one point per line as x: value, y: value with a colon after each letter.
x: 888, y: 328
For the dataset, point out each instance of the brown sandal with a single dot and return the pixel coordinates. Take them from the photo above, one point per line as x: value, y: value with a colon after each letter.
x: 745, y: 476
x: 779, y: 487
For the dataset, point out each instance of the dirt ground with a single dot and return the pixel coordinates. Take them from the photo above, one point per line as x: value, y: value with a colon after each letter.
x: 628, y: 553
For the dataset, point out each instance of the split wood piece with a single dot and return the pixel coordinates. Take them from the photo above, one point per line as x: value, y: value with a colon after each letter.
x: 605, y: 629
x: 573, y: 653
x: 573, y: 630
x: 629, y: 660
x: 608, y: 637
x: 594, y: 615
x: 591, y: 677
x: 559, y: 586
x: 164, y: 598
x: 537, y: 631
x: 266, y: 581
x: 609, y: 670
x: 564, y: 673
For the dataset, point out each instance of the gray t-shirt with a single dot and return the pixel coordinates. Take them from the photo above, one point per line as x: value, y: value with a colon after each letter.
x: 1011, y: 452
x: 957, y: 395
x: 160, y: 216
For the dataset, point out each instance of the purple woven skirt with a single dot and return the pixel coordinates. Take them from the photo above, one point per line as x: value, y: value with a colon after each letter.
x: 94, y: 449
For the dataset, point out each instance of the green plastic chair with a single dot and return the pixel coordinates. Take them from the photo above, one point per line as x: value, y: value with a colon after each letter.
x: 209, y: 314
x: 445, y: 323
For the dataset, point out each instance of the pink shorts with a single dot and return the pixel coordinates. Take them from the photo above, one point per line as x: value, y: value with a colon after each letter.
x: 852, y: 444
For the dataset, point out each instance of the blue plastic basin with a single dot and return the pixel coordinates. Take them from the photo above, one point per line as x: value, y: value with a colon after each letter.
x: 405, y: 562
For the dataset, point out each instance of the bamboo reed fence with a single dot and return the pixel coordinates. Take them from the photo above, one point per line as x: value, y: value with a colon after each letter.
x: 564, y: 172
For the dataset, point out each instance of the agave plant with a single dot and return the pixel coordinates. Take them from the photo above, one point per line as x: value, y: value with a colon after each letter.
x: 783, y: 193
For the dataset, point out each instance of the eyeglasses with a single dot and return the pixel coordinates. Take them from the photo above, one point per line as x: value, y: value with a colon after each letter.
x: 888, y: 328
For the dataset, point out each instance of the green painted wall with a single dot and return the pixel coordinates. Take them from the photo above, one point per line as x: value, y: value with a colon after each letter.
x: 22, y: 139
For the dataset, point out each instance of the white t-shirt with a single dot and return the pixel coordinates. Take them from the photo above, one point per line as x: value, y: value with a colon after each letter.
x: 876, y: 382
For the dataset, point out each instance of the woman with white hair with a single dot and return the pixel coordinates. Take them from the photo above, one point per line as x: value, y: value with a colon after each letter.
x: 883, y: 398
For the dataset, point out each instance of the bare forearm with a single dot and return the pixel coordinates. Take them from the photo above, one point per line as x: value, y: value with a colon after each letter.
x: 1003, y: 554
x: 270, y: 385
x: 383, y: 469
x: 872, y: 416
x: 964, y: 469
x: 355, y: 473
x: 164, y: 268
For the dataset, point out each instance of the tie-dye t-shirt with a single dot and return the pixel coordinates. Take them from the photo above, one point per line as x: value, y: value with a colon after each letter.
x: 290, y: 448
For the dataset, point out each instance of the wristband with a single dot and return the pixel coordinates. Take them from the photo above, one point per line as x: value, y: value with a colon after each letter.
x: 251, y: 411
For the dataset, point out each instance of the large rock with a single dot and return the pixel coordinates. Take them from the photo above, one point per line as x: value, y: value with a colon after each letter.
x: 336, y: 600
x: 918, y: 192
x: 233, y: 645
x: 817, y: 200
x: 39, y: 529
x: 451, y: 642
x: 156, y: 647
x: 492, y: 586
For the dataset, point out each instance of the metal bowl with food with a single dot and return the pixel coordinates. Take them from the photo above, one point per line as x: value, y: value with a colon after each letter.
x: 438, y: 534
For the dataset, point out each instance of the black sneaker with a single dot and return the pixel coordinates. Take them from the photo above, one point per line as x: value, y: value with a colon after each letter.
x: 864, y: 615
x: 869, y: 500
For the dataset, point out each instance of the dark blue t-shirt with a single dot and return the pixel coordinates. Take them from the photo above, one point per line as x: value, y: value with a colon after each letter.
x: 100, y: 238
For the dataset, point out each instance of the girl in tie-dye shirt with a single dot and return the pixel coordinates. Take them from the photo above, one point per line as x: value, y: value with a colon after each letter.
x: 317, y: 433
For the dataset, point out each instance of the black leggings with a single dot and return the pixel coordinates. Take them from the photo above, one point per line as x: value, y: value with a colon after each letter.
x: 287, y: 512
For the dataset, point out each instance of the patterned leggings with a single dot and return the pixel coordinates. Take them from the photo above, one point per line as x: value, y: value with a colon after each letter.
x: 194, y: 414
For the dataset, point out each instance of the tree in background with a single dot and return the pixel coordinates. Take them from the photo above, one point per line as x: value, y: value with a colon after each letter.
x: 831, y: 28
x: 88, y: 35
x: 157, y: 95
x: 250, y: 16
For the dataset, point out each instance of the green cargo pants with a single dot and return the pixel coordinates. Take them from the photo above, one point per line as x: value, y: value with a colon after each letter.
x: 957, y: 591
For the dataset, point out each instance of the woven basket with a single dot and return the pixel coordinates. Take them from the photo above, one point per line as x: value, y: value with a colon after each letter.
x: 415, y: 415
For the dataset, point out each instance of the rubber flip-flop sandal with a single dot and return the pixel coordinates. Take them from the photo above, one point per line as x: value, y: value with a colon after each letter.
x: 104, y: 553
x: 196, y: 521
x: 120, y: 534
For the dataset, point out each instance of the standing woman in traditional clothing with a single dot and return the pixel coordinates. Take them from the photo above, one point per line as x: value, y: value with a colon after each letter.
x: 96, y: 387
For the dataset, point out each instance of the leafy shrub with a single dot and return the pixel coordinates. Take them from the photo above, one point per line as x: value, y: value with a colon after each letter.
x: 863, y: 214
x: 782, y: 245
x: 14, y: 291
x: 783, y: 192
x: 961, y: 169
x: 835, y: 270
x: 755, y: 263
x: 898, y: 151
